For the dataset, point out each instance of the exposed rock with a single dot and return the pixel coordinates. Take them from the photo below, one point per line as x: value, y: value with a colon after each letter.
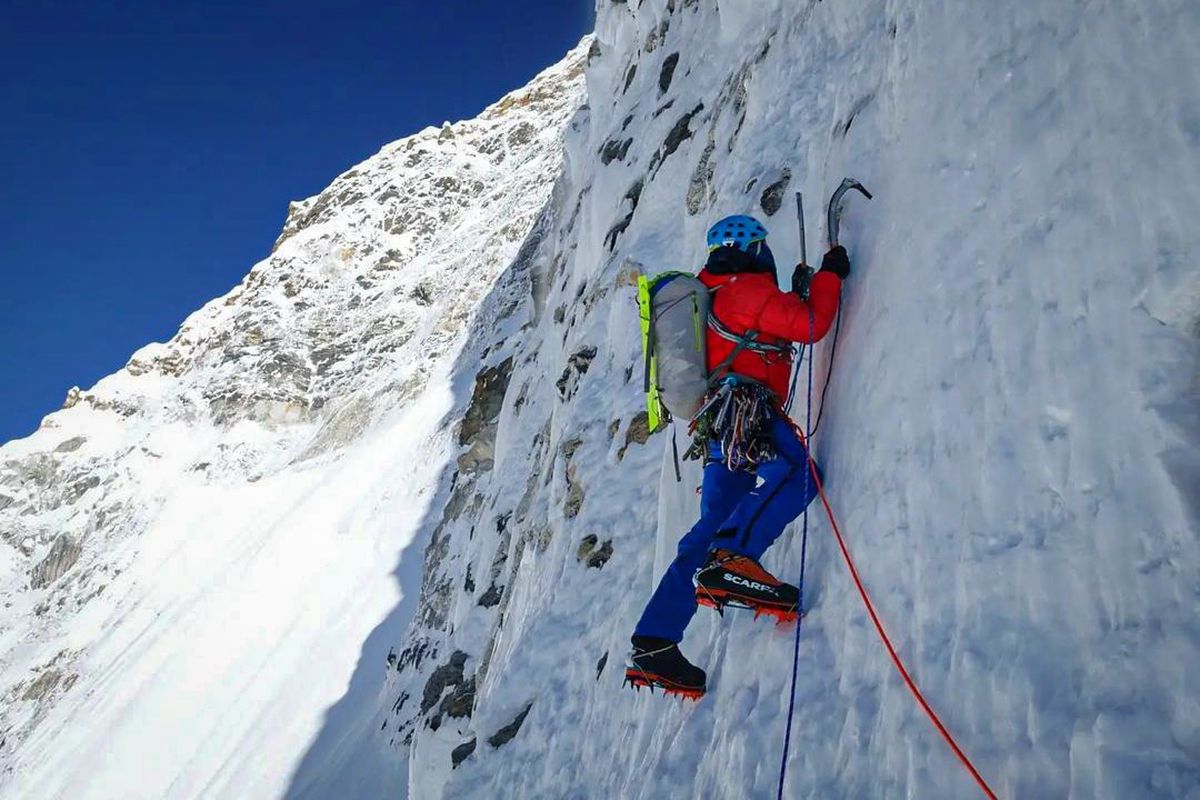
x: 632, y: 196
x: 772, y: 196
x: 570, y: 446
x: 71, y: 445
x: 479, y: 425
x: 457, y: 704
x: 62, y: 556
x: 492, y: 596
x: 700, y: 190
x: 448, y: 675
x: 541, y: 537
x: 591, y: 554
x: 487, y: 399
x: 586, y: 545
x: 678, y: 134
x: 575, y: 494
x: 657, y: 35
x: 634, y: 193
x: 521, y: 135
x: 614, y: 150
x: 79, y: 488
x: 658, y: 112
x: 45, y: 684
x: 599, y: 557
x: 638, y: 432
x: 421, y: 294
x: 506, y: 734
x: 461, y: 753
x: 601, y: 664
x: 667, y: 72
x: 74, y: 395
x: 577, y: 365
x: 639, y: 429
x: 479, y: 458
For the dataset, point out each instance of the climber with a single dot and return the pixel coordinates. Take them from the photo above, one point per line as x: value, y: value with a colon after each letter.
x: 756, y: 475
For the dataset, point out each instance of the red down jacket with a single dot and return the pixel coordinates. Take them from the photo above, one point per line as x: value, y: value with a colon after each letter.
x: 751, y: 301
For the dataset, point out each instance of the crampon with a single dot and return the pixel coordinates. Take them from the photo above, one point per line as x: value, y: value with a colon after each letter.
x: 719, y: 600
x: 638, y: 678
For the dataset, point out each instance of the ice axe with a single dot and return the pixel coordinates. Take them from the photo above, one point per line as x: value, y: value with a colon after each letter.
x: 835, y: 207
x: 834, y: 217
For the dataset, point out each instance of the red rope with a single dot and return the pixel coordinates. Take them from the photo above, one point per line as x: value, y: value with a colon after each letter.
x: 887, y: 642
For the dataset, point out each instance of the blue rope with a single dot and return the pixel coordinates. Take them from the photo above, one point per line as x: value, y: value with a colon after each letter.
x: 791, y: 395
x: 787, y: 736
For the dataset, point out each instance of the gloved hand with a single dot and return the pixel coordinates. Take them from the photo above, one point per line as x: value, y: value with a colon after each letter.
x: 837, y: 262
x: 801, y: 275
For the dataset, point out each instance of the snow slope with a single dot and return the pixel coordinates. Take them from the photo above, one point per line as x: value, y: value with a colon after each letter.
x: 197, y: 548
x: 1010, y: 441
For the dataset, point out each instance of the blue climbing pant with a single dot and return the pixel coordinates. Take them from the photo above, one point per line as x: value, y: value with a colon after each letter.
x: 740, y: 511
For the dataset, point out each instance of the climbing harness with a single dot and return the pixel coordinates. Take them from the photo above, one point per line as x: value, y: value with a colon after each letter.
x: 736, y: 413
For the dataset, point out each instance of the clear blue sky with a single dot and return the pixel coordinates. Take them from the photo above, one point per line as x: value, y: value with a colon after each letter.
x: 148, y: 150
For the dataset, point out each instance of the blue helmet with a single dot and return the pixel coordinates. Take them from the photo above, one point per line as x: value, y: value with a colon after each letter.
x: 738, y: 231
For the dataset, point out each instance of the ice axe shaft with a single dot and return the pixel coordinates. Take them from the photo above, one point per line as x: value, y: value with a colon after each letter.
x: 804, y: 275
x: 800, y: 220
x: 835, y: 207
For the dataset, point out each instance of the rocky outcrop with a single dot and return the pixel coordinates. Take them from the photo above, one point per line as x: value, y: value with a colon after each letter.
x: 509, y: 731
x: 461, y: 753
x: 577, y: 365
x: 479, y: 425
x: 62, y: 556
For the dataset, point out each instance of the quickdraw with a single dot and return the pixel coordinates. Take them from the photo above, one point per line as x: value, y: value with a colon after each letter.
x: 732, y: 425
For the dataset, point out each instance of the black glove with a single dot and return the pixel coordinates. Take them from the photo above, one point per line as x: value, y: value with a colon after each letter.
x: 837, y: 262
x: 801, y: 276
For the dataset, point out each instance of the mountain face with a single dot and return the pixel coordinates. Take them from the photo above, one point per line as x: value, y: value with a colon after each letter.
x: 381, y: 520
x: 1010, y: 435
x: 198, y: 546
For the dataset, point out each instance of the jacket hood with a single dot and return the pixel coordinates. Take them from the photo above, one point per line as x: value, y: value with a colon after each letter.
x: 730, y: 260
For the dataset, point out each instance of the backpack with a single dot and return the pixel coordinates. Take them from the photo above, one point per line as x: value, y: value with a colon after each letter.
x: 674, y: 309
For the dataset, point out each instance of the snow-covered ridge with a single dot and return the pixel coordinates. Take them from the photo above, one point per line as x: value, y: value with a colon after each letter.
x: 199, y: 519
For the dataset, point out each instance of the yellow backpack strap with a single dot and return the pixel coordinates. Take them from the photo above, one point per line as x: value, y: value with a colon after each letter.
x: 654, y: 410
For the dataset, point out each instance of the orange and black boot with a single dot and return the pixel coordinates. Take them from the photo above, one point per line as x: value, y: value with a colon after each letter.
x: 730, y: 579
x: 657, y: 663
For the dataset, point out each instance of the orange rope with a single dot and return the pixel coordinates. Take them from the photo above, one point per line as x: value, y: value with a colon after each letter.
x: 887, y: 642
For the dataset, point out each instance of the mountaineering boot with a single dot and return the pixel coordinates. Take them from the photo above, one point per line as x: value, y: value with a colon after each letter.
x: 658, y: 662
x: 730, y: 579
